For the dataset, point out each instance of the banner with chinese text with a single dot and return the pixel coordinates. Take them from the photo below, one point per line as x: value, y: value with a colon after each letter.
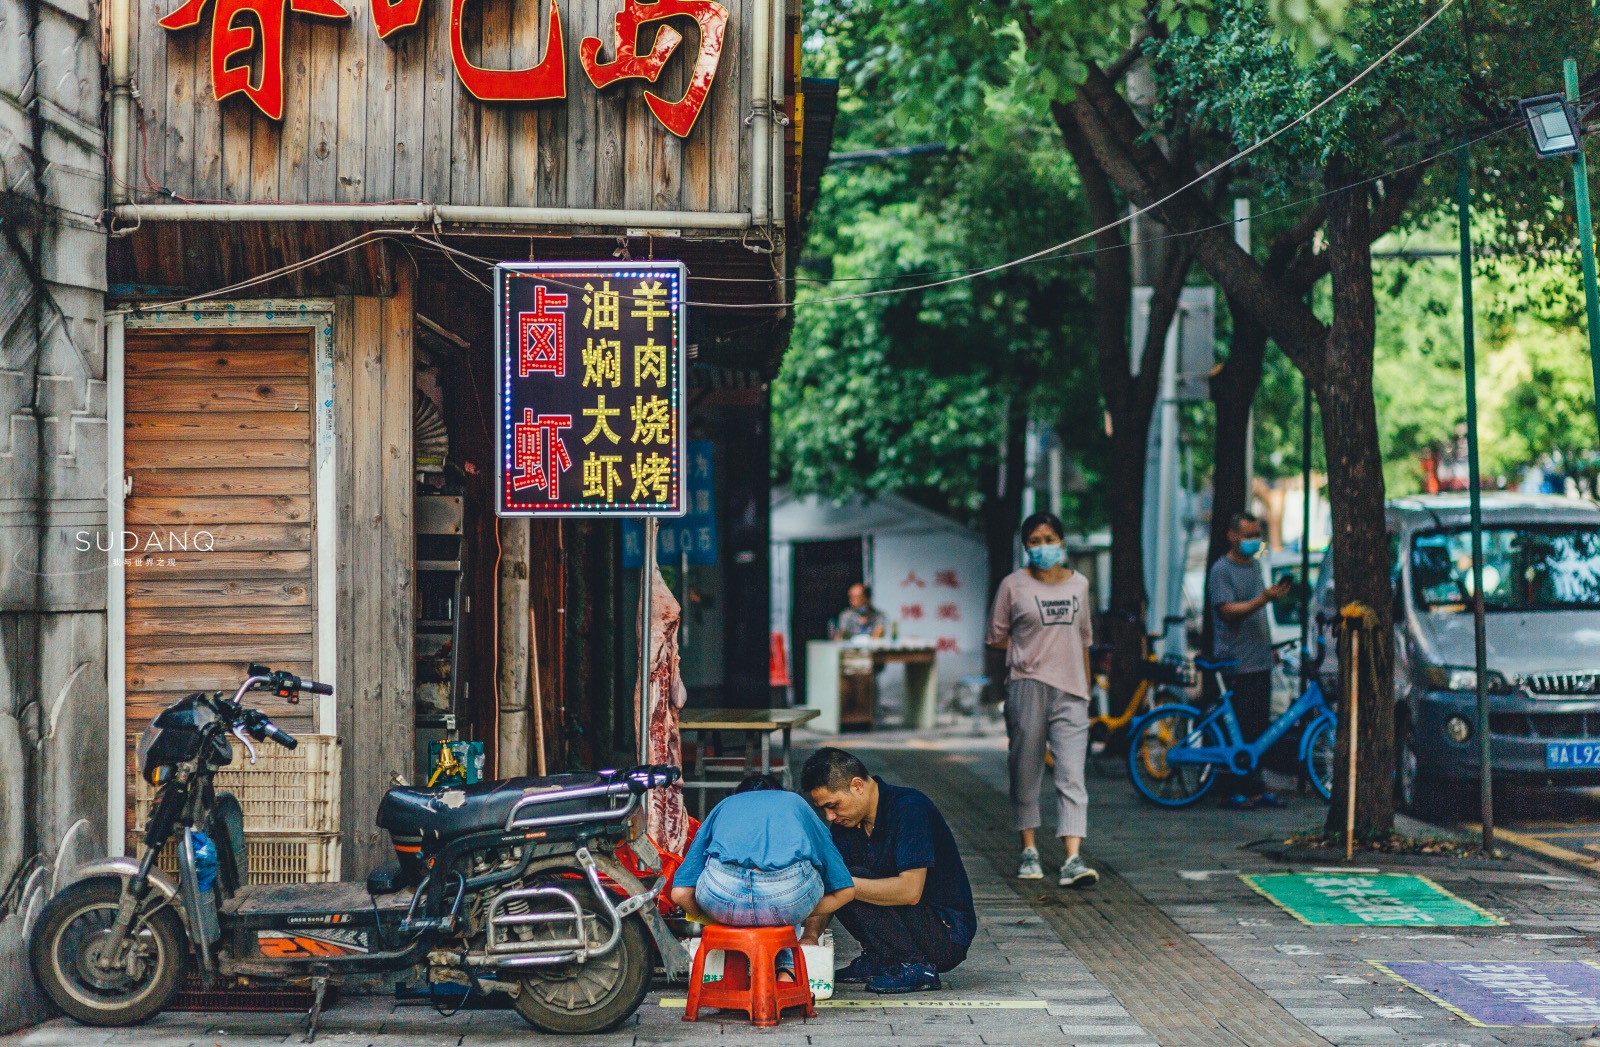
x: 590, y: 366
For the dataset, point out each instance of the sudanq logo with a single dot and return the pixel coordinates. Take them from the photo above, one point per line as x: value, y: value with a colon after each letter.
x: 146, y: 542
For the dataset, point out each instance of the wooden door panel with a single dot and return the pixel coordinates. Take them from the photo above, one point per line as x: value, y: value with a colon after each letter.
x: 220, y: 425
x: 222, y: 565
x: 218, y: 435
x: 240, y: 594
x: 272, y: 649
x: 216, y: 454
x: 224, y: 360
x: 146, y: 706
x: 173, y: 483
x: 199, y: 621
x: 260, y: 340
x: 233, y: 393
x: 199, y: 511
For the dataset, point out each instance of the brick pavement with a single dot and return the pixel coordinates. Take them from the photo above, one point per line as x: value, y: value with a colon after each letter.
x: 1172, y: 949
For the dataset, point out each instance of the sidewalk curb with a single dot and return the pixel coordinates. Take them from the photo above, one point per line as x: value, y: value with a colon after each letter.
x: 1544, y: 850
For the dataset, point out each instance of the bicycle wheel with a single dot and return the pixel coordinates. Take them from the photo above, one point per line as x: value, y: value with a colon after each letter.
x: 1158, y: 733
x: 1317, y: 752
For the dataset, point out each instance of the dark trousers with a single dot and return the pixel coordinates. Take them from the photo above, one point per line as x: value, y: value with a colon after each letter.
x: 1252, y: 705
x: 902, y: 934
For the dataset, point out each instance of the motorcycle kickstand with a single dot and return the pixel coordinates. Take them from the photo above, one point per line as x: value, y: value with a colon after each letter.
x: 319, y: 985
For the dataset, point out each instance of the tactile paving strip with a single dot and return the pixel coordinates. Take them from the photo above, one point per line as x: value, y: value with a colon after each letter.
x: 1171, y: 984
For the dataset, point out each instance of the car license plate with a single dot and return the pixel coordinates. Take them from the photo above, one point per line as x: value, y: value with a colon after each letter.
x: 1572, y: 754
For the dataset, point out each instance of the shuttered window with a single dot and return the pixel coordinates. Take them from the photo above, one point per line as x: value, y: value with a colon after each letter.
x: 218, y: 514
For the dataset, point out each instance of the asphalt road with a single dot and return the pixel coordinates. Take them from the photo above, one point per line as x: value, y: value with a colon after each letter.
x: 1560, y: 824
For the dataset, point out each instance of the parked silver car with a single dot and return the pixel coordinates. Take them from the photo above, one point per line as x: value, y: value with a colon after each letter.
x: 1542, y: 596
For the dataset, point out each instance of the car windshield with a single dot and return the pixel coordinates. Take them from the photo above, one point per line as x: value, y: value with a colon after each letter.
x: 1525, y: 568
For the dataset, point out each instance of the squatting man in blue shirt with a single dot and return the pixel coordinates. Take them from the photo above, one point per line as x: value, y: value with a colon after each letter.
x: 912, y: 909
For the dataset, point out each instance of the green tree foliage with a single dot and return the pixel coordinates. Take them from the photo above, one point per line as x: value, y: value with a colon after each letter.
x: 909, y: 393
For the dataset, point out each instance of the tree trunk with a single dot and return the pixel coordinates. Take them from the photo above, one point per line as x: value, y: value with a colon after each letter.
x: 1002, y: 506
x: 1002, y: 515
x: 1360, y: 543
x: 1233, y: 392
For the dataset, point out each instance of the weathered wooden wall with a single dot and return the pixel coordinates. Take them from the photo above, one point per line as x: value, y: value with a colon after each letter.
x: 373, y: 418
x: 368, y: 120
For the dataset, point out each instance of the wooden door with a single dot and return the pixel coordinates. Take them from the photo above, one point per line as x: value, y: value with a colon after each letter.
x: 218, y: 507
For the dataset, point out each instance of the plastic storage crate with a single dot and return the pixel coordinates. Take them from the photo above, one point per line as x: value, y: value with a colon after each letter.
x: 284, y: 791
x: 274, y: 857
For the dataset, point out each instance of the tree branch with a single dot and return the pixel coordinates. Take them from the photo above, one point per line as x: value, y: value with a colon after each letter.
x: 1143, y: 174
x: 1164, y: 302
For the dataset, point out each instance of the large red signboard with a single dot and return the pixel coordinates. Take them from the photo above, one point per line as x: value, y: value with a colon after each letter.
x: 244, y: 29
x: 590, y: 374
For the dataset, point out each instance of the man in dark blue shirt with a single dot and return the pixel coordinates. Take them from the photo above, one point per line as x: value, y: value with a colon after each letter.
x: 913, y: 912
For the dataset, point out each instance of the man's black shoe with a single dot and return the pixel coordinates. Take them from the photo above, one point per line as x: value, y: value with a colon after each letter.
x: 857, y: 971
x: 904, y: 978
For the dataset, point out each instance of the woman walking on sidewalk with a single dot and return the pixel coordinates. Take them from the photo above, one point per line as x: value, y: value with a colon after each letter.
x: 1041, y: 620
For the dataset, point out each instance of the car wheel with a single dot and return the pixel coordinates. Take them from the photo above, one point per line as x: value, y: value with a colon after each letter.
x: 1422, y: 793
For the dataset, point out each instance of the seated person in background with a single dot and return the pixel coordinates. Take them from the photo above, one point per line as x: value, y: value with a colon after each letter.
x: 762, y: 858
x: 912, y: 912
x: 860, y: 618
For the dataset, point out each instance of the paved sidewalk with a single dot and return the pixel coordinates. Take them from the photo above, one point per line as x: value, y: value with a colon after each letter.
x: 1171, y: 949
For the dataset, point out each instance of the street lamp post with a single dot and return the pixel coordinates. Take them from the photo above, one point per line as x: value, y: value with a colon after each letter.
x: 1469, y: 357
x: 1556, y: 125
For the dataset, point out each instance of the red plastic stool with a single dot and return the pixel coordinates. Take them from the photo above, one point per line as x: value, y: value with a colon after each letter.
x: 749, y: 979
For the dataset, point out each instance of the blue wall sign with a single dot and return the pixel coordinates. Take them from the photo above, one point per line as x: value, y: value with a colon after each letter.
x: 695, y: 532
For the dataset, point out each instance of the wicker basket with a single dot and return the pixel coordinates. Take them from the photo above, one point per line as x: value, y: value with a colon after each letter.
x: 285, y: 791
x: 274, y: 857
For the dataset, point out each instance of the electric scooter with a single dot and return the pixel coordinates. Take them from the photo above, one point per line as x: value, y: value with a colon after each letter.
x: 510, y: 886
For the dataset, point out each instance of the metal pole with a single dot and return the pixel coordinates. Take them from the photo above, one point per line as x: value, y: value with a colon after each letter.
x: 647, y: 578
x: 1469, y: 355
x: 1305, y: 533
x: 1355, y: 706
x: 1580, y: 180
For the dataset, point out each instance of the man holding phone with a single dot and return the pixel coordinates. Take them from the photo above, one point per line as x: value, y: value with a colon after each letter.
x: 1238, y: 596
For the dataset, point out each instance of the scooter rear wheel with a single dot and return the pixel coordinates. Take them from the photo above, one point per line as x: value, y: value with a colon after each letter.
x: 66, y: 945
x: 596, y: 996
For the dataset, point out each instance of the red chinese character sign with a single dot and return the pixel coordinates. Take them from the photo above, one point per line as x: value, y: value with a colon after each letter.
x: 590, y: 370
x: 244, y: 29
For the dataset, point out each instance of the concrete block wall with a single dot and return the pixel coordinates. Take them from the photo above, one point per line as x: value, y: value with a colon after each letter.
x: 52, y: 467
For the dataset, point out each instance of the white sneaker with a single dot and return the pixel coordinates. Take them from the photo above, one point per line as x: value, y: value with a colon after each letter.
x: 1030, y: 869
x: 1076, y: 873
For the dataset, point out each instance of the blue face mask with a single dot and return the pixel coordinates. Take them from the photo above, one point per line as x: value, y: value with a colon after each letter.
x: 1044, y: 557
x: 1249, y: 546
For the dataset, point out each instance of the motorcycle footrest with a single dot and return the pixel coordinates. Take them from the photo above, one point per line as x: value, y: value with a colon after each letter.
x: 422, y: 923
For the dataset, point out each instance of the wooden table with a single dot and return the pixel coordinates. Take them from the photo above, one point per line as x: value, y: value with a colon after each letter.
x: 756, y: 726
x: 846, y: 694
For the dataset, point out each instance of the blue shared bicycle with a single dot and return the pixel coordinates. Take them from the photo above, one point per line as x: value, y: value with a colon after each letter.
x: 1176, y: 753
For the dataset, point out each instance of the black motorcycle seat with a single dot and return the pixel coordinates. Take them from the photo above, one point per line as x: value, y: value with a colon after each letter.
x: 430, y: 816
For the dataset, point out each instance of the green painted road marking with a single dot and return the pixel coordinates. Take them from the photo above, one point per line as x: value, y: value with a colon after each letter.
x: 1369, y: 900
x: 972, y: 1005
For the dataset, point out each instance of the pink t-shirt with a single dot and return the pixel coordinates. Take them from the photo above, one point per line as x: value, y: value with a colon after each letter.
x: 1049, y: 626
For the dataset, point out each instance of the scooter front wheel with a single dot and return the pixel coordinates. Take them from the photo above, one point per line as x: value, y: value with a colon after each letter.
x: 69, y: 958
x: 583, y: 999
x: 1156, y: 734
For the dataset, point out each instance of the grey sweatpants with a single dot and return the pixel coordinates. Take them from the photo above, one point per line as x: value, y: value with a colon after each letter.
x: 1036, y: 713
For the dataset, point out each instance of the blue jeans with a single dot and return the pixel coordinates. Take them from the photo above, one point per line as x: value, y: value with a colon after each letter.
x: 738, y: 897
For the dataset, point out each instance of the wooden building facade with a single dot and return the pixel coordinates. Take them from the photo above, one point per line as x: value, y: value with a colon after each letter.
x: 299, y: 353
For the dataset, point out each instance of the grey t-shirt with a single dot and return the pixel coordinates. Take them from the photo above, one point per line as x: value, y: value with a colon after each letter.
x: 1250, y: 642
